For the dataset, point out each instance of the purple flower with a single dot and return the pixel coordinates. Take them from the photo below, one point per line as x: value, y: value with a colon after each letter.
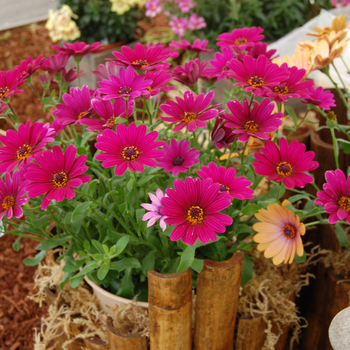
x: 154, y: 213
x: 197, y: 46
x: 221, y: 135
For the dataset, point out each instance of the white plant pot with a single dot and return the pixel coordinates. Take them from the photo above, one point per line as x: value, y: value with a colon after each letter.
x: 107, y: 299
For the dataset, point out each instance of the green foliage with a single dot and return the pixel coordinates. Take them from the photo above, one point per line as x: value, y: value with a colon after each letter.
x: 97, y: 22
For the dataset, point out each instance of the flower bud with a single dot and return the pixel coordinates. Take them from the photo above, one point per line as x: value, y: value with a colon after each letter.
x: 331, y: 119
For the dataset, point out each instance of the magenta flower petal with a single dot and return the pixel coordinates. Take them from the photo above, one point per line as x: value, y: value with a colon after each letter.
x: 240, y: 38
x: 78, y: 49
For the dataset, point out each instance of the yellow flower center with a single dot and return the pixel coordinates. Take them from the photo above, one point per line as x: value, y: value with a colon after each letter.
x: 178, y: 161
x: 241, y: 41
x: 110, y: 122
x: 149, y: 89
x: 255, y: 81
x: 130, y: 153
x: 289, y: 231
x: 195, y: 215
x: 24, y: 152
x: 284, y: 169
x: 8, y: 202
x: 60, y: 179
x: 124, y: 90
x: 281, y: 89
x: 344, y: 203
x: 189, y: 116
x: 141, y: 63
x: 224, y: 188
x: 81, y: 115
x: 4, y: 91
x: 251, y: 126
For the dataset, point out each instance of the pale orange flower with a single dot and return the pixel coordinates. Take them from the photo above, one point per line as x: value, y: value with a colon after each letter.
x: 279, y: 233
x: 338, y: 24
x: 323, y: 54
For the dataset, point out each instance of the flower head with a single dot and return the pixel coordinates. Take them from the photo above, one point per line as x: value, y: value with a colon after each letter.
x: 56, y: 174
x: 259, y: 48
x: 10, y: 81
x: 178, y: 25
x: 142, y: 57
x: 78, y: 49
x: 279, y: 232
x: 71, y: 75
x: 103, y: 71
x: 185, y: 5
x: 320, y: 98
x: 335, y: 196
x: 191, y: 112
x: 154, y: 213
x: 12, y: 196
x: 153, y: 7
x: 77, y: 105
x: 240, y: 38
x: 29, y: 66
x: 235, y: 187
x: 160, y: 79
x: 196, y: 22
x: 256, y: 122
x: 130, y: 147
x: 55, y: 63
x: 257, y: 75
x: 287, y: 164
x: 221, y: 70
x: 194, y: 206
x: 21, y: 146
x: 197, y: 46
x: 221, y: 135
x: 109, y: 113
x: 127, y: 84
x: 178, y: 157
x: 190, y: 73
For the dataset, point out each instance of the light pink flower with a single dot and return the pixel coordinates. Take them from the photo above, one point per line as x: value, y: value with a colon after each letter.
x: 154, y: 213
x: 196, y: 22
x: 185, y: 5
x: 153, y: 7
x: 178, y: 25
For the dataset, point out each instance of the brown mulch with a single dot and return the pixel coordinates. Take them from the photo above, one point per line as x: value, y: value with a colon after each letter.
x: 18, y: 314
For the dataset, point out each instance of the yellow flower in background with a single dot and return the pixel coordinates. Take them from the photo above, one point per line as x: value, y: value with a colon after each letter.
x: 338, y: 24
x: 120, y: 6
x: 279, y: 232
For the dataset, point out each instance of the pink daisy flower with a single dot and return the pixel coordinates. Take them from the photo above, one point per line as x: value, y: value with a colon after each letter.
x: 129, y: 147
x: 127, y: 84
x: 191, y: 112
x: 109, y: 112
x: 178, y: 157
x: 159, y: 81
x: 194, y: 206
x: 71, y: 75
x: 257, y: 75
x: 29, y: 66
x: 55, y: 63
x: 240, y: 38
x: 336, y: 196
x: 221, y: 69
x: 197, y: 46
x: 77, y: 105
x: 235, y: 187
x: 21, y: 146
x: 178, y: 25
x: 292, y: 87
x: 57, y: 127
x: 103, y: 71
x: 256, y: 122
x: 56, y: 174
x: 221, y: 135
x: 196, y: 22
x: 78, y: 49
x: 287, y: 164
x: 154, y: 210
x: 142, y: 57
x: 190, y: 73
x: 10, y: 81
x: 259, y: 48
x: 320, y: 98
x: 12, y: 196
x: 153, y: 7
x: 185, y: 5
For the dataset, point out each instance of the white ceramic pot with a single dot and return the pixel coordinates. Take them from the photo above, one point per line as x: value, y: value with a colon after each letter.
x: 107, y: 299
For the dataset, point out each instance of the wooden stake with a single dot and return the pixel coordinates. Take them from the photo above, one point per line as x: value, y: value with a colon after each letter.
x: 216, y: 304
x: 119, y: 341
x: 170, y: 310
x: 95, y: 344
x: 250, y: 333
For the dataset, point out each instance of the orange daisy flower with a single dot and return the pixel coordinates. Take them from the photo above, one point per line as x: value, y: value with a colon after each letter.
x: 279, y: 233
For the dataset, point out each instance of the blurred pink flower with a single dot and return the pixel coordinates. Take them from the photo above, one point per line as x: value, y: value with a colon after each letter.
x: 190, y: 73
x: 153, y: 7
x: 185, y: 5
x: 103, y: 71
x: 196, y: 22
x: 178, y: 25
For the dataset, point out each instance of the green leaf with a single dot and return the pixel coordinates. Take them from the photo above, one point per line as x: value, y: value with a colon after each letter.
x: 130, y: 184
x: 76, y: 280
x: 247, y: 272
x: 145, y: 179
x: 102, y: 271
x: 71, y: 265
x: 91, y: 265
x: 126, y: 287
x: 345, y: 147
x: 125, y: 264
x: 291, y: 112
x: 139, y: 214
x: 297, y: 197
x: 42, y: 222
x: 92, y: 186
x: 86, y: 244
x: 121, y: 244
x: 250, y: 209
x: 108, y: 194
x: 197, y: 265
x: 148, y: 262
x: 341, y: 235
x: 53, y: 243
x: 16, y: 245
x: 300, y: 259
x: 98, y: 246
x: 36, y: 260
x: 80, y: 209
x: 187, y: 258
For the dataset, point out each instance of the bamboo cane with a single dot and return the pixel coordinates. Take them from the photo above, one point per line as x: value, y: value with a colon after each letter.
x: 119, y: 341
x: 170, y: 310
x: 250, y: 333
x: 95, y: 344
x: 216, y: 304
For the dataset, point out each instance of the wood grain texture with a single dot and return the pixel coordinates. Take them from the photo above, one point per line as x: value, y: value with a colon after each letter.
x: 95, y: 344
x: 250, y: 333
x: 170, y: 310
x: 216, y: 304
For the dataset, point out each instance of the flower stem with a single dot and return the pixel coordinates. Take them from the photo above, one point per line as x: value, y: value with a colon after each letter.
x: 143, y: 109
x: 229, y: 155
x: 340, y: 78
x: 346, y: 66
x: 15, y: 116
x: 195, y: 140
x: 335, y: 148
x: 312, y: 223
x: 78, y: 72
x: 339, y: 92
x: 127, y: 110
x: 301, y: 122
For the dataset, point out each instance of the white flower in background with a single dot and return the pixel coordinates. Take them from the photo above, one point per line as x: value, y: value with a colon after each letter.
x: 120, y: 6
x: 61, y: 26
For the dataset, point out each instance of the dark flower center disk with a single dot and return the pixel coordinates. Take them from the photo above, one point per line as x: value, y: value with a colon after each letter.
x: 60, y: 179
x: 256, y: 81
x: 344, y: 203
x: 225, y: 68
x: 124, y: 90
x: 4, y: 91
x: 24, y: 152
x: 284, y: 169
x: 289, y: 231
x: 130, y: 153
x: 189, y: 116
x: 195, y: 215
x: 251, y: 126
x: 224, y: 188
x: 8, y: 202
x: 281, y: 89
x: 241, y: 41
x: 178, y: 161
x: 141, y: 63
